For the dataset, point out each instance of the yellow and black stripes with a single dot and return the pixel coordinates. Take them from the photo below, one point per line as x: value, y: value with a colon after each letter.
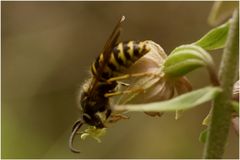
x: 122, y: 56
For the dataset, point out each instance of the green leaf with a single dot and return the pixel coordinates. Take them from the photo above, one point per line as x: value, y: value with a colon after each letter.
x: 206, y: 120
x: 215, y: 38
x: 203, y: 136
x: 182, y: 102
x: 184, y: 59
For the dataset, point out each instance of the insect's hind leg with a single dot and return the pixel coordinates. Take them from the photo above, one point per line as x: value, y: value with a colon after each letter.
x: 123, y: 83
x: 131, y: 76
x: 133, y: 90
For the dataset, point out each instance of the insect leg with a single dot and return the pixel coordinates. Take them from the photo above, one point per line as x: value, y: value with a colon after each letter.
x: 124, y: 92
x: 116, y: 117
x: 131, y: 75
x: 76, y: 127
x: 123, y: 83
x: 132, y: 90
x: 109, y: 111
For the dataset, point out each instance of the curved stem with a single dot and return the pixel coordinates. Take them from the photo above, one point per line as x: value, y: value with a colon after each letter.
x: 221, y: 115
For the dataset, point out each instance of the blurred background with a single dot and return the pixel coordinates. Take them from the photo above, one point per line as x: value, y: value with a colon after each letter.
x: 47, y: 49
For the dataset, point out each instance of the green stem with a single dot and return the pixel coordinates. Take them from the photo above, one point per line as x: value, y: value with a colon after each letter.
x: 221, y: 115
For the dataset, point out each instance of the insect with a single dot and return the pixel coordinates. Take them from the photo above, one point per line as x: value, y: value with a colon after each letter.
x: 107, y: 71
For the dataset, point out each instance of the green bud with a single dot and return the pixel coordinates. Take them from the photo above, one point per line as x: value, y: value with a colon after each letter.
x: 186, y: 58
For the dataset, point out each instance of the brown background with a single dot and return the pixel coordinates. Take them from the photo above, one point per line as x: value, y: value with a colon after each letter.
x: 47, y: 48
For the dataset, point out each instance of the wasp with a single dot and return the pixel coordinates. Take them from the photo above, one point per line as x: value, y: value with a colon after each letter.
x: 106, y: 72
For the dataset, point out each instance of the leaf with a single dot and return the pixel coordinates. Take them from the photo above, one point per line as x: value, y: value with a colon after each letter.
x: 186, y: 58
x: 203, y: 136
x: 182, y: 102
x: 206, y: 120
x: 215, y: 38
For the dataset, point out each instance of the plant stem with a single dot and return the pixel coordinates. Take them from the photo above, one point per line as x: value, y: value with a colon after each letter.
x: 221, y: 115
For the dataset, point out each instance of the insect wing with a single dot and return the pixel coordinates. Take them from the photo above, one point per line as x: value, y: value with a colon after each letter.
x: 111, y: 42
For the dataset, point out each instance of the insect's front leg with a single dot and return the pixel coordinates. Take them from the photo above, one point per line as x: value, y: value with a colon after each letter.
x: 108, y: 113
x: 116, y: 117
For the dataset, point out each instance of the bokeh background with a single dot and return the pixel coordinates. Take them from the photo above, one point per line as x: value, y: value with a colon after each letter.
x: 47, y: 48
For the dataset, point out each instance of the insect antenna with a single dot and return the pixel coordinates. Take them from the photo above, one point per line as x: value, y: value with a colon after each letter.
x: 77, y: 125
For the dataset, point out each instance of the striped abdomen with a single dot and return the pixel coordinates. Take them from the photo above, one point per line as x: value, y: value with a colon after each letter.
x: 122, y: 56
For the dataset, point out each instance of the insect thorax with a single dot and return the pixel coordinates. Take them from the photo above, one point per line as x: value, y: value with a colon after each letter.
x: 96, y: 101
x: 122, y: 57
